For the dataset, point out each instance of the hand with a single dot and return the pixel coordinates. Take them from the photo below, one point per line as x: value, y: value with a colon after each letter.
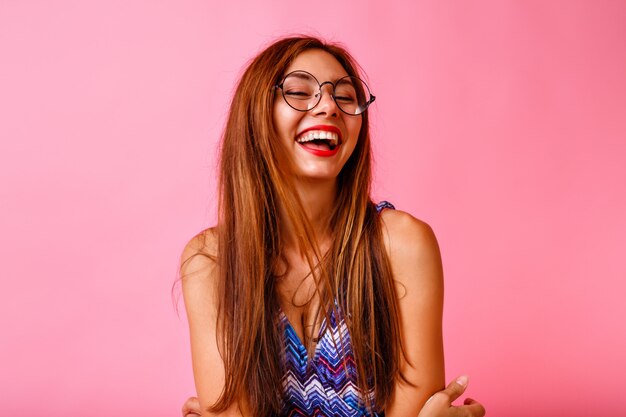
x: 191, y: 408
x: 440, y: 404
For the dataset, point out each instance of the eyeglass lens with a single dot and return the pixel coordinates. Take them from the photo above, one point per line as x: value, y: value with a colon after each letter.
x: 302, y: 92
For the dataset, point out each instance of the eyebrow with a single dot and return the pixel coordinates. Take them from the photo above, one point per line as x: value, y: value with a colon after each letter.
x: 299, y: 75
x: 306, y: 76
x: 346, y: 80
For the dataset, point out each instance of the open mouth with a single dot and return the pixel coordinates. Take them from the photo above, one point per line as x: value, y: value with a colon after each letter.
x: 319, y: 140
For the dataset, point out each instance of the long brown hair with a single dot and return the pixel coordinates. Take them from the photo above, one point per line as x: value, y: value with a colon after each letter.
x: 356, y: 275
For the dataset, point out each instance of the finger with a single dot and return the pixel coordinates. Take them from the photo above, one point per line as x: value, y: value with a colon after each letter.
x: 190, y: 413
x: 471, y: 408
x: 191, y: 407
x: 450, y: 393
x: 456, y: 387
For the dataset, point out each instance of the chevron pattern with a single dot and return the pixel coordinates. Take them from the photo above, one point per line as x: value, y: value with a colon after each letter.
x: 326, y: 384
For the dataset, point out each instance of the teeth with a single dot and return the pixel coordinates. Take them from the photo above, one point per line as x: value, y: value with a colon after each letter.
x: 318, y: 134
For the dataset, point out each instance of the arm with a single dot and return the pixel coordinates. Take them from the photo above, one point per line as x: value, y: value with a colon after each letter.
x: 439, y: 405
x: 199, y: 277
x: 404, y: 236
x: 416, y: 266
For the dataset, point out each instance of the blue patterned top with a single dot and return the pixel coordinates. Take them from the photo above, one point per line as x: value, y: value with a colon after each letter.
x: 324, y: 385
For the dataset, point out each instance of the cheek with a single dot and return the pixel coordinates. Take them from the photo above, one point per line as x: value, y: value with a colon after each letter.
x: 284, y: 122
x: 276, y: 118
x: 355, y: 131
x: 354, y: 126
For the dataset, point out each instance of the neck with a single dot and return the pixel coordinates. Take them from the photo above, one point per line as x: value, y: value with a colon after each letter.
x: 318, y: 199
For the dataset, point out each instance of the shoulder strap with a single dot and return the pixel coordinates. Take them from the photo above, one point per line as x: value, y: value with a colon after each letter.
x: 384, y: 205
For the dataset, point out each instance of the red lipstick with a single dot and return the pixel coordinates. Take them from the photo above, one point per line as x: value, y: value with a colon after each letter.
x: 322, y: 152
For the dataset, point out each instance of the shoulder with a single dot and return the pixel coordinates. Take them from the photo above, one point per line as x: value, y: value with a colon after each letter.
x: 200, y: 252
x: 405, y: 234
x: 413, y: 251
x: 198, y: 266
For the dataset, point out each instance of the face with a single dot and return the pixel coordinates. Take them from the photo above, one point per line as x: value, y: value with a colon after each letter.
x: 301, y: 133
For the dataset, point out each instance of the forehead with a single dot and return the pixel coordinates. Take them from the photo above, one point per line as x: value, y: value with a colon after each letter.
x: 320, y: 63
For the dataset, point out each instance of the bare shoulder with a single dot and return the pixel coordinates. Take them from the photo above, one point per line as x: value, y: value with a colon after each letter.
x: 198, y: 269
x: 408, y: 240
x: 199, y: 253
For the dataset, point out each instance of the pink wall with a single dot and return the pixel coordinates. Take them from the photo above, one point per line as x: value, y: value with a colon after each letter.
x: 501, y: 123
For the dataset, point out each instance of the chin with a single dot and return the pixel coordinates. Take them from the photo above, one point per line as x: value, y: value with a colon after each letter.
x: 318, y: 175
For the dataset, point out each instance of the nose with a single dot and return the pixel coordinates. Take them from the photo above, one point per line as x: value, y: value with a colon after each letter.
x: 327, y: 105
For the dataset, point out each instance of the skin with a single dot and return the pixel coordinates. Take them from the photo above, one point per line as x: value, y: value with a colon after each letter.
x: 410, y: 244
x: 289, y: 122
x: 439, y: 405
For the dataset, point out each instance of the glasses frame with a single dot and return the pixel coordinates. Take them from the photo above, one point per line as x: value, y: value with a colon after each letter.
x: 332, y: 95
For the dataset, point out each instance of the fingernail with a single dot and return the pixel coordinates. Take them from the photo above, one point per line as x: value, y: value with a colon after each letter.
x: 462, y: 380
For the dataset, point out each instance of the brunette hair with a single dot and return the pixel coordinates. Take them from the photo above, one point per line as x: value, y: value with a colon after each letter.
x: 355, y: 278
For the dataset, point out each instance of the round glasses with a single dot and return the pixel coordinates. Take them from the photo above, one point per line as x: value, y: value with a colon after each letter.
x: 303, y: 92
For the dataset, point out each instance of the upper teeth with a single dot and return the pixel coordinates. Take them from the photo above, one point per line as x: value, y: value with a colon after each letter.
x: 319, y: 134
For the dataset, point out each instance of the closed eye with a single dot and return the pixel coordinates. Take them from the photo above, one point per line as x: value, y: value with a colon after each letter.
x: 345, y: 99
x: 298, y: 94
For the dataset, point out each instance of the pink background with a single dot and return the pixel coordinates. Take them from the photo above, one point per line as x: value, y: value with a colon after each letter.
x: 501, y: 123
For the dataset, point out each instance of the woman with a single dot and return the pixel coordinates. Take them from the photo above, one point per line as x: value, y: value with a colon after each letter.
x: 308, y: 298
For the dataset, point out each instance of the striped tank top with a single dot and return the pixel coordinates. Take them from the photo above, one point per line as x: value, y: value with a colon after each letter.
x: 324, y: 385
